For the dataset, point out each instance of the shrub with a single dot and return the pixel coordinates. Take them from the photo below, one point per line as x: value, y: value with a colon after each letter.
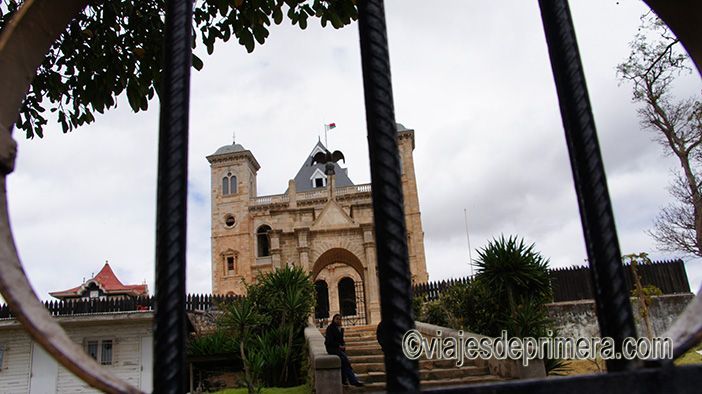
x: 270, y: 324
x: 216, y: 343
x: 433, y: 312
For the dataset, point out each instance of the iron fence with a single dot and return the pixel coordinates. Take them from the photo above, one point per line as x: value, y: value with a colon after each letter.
x: 575, y: 283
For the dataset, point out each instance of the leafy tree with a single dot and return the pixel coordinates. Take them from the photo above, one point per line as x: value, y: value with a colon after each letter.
x: 115, y: 47
x: 655, y: 61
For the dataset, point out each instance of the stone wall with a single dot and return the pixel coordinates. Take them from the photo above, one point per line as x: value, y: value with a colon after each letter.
x: 578, y: 318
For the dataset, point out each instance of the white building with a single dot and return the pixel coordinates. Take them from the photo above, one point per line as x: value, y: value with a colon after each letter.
x: 120, y: 341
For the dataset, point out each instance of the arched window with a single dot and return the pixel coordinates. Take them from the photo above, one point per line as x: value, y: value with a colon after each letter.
x: 229, y: 184
x: 232, y: 184
x: 264, y: 241
x: 347, y: 297
x: 225, y: 185
x: 321, y: 310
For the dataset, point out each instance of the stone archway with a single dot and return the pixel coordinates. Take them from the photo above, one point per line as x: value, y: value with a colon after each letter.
x: 343, y: 276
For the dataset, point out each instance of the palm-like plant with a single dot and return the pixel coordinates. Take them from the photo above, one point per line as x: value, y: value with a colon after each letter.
x: 240, y: 318
x: 287, y: 296
x: 514, y: 271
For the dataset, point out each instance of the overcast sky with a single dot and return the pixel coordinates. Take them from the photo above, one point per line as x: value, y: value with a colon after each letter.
x: 472, y: 78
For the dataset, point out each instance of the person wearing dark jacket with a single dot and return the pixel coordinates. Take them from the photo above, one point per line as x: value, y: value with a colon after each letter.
x: 380, y: 335
x: 334, y: 342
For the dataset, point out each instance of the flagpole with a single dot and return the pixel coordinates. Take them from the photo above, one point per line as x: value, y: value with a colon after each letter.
x: 326, y: 128
x: 470, y: 258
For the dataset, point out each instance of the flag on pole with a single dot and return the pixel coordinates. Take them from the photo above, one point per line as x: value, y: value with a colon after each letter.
x: 327, y: 127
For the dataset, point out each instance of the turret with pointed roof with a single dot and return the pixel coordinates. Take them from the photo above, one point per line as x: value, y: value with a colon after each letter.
x: 306, y: 177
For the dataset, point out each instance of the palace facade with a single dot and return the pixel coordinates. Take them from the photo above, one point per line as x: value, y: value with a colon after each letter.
x: 322, y: 223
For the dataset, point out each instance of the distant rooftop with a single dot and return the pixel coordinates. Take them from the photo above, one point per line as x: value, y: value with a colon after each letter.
x: 107, y: 282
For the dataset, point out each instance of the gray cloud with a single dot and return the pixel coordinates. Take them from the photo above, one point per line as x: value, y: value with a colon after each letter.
x: 472, y: 78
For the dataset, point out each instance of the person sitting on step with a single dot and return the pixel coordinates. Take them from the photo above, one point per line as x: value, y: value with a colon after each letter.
x: 334, y: 342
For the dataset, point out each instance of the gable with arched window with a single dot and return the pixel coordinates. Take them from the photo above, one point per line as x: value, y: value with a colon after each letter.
x: 263, y: 241
x: 229, y: 185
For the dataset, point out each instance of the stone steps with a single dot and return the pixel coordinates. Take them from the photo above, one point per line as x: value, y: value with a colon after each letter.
x: 368, y: 362
x: 424, y: 365
x: 380, y: 386
x: 426, y: 374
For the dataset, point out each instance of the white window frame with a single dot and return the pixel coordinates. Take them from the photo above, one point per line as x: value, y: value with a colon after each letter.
x: 100, y: 343
x: 317, y: 174
x: 3, y: 352
x: 226, y: 256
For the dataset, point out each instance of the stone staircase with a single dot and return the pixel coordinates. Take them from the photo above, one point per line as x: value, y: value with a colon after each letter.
x: 367, y: 361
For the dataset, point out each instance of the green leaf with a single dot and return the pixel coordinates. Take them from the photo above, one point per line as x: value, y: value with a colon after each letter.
x: 197, y: 63
x: 277, y: 15
x: 260, y: 33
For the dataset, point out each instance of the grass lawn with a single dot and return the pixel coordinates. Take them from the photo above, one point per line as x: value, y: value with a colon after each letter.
x: 691, y: 357
x: 304, y: 389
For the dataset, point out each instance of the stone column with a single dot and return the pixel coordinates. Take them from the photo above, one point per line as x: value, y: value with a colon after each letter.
x: 371, y: 276
x: 331, y: 183
x: 292, y: 194
x: 275, y: 248
x: 303, y: 249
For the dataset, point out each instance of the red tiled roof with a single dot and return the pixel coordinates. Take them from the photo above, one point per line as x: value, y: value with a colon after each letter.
x: 108, y: 283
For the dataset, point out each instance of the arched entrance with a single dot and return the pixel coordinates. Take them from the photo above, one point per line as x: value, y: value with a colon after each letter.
x: 321, y: 310
x: 339, y: 282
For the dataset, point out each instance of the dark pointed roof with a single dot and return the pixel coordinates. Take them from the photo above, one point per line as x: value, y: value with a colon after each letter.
x: 303, y: 180
x: 107, y: 281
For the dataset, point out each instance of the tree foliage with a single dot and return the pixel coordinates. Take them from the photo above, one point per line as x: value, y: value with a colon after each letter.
x: 509, y: 292
x: 269, y: 326
x: 514, y: 272
x: 655, y: 61
x: 115, y: 47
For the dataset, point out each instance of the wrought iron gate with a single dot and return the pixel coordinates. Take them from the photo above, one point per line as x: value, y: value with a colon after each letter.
x: 359, y: 318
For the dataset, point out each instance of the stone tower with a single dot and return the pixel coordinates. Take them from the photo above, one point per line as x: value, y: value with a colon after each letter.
x: 413, y: 216
x: 322, y: 223
x: 233, y: 170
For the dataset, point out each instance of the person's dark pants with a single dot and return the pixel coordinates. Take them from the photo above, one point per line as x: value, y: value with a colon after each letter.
x: 347, y: 374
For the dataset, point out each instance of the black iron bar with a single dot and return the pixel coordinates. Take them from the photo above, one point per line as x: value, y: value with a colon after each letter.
x: 611, y: 296
x: 171, y: 209
x: 390, y: 229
